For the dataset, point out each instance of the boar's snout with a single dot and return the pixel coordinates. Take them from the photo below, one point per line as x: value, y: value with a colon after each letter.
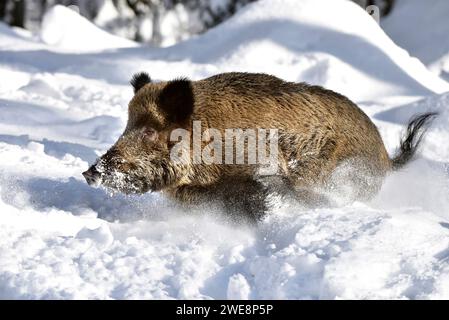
x: 92, y: 176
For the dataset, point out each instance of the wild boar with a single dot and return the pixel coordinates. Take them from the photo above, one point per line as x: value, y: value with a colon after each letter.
x: 315, y: 131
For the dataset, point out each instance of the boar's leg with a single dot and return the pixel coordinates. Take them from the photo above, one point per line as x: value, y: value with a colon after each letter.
x: 286, y: 190
x: 247, y: 199
x: 242, y: 199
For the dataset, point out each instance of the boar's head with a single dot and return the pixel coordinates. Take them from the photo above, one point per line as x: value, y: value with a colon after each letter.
x: 140, y: 159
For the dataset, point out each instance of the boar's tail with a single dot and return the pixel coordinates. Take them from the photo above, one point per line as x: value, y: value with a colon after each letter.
x: 416, y: 129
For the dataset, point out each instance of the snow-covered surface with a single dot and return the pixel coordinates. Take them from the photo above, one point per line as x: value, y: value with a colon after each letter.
x: 64, y: 28
x: 61, y: 106
x: 422, y: 28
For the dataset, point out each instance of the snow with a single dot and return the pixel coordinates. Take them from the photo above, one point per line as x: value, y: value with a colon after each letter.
x: 238, y: 288
x: 316, y: 48
x: 63, y: 101
x: 65, y: 29
x: 422, y: 35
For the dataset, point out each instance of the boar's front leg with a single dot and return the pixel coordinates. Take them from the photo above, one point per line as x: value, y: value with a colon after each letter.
x: 242, y: 199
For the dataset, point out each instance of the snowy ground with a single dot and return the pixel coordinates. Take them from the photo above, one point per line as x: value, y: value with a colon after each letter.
x: 63, y: 100
x: 421, y: 27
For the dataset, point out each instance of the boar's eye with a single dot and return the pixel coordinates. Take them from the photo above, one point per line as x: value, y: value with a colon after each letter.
x: 150, y: 134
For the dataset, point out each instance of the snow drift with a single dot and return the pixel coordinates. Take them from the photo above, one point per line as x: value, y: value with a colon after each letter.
x: 61, y: 105
x: 63, y: 28
x: 332, y: 43
x: 421, y: 28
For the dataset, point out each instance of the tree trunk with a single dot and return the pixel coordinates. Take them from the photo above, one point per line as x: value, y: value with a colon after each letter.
x: 3, y: 5
x: 388, y: 7
x: 18, y: 14
x: 156, y: 37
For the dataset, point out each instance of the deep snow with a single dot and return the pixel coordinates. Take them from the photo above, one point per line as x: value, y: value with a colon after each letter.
x: 421, y: 27
x: 64, y: 102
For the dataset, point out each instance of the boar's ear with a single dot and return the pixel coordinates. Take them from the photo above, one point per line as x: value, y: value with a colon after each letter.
x: 176, y: 100
x: 139, y: 80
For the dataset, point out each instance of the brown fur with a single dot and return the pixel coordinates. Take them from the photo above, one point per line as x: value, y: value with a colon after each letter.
x: 319, y: 130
